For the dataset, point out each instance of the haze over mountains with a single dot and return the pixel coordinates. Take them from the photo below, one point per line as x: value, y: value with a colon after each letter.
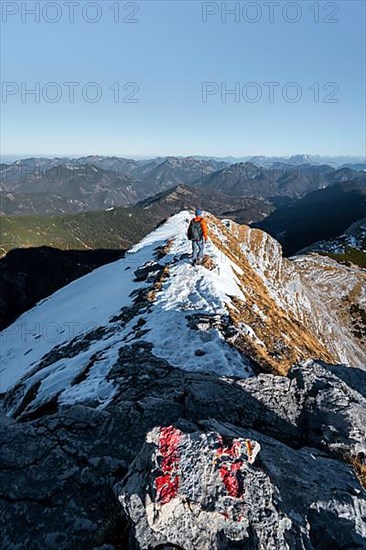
x: 263, y: 160
x: 58, y: 186
x: 338, y: 160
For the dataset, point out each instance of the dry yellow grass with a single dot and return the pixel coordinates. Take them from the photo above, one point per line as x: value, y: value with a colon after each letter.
x: 162, y: 251
x: 157, y: 285
x: 359, y: 468
x: 286, y: 340
x: 208, y: 263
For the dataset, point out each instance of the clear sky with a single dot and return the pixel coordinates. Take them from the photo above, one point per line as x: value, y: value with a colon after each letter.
x: 169, y: 54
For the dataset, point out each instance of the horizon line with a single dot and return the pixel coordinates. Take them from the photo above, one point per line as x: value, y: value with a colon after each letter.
x: 22, y: 156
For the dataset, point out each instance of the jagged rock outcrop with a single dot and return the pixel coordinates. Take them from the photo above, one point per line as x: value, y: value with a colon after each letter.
x: 310, y: 306
x: 64, y: 473
x: 201, y: 490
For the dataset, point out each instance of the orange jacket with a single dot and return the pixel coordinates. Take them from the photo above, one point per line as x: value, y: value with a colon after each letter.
x: 203, y: 225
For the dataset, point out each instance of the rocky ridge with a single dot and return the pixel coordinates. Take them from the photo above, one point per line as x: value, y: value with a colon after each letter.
x: 145, y: 404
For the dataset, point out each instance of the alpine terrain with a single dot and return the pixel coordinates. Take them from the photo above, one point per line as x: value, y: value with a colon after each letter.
x: 42, y: 186
x: 156, y: 404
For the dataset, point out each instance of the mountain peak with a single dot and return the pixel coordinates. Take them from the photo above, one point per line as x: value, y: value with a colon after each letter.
x: 248, y: 309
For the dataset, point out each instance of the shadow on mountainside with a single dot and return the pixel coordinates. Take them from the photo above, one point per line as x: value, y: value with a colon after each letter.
x: 353, y: 377
x: 28, y: 275
x: 320, y: 215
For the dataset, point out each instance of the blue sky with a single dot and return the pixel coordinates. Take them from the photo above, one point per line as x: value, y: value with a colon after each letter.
x: 169, y: 54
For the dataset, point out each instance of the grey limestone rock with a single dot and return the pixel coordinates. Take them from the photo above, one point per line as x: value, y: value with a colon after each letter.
x: 65, y: 473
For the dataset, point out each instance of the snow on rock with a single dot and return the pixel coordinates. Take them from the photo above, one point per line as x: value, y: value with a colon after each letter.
x: 325, y: 297
x: 250, y: 306
x: 195, y: 291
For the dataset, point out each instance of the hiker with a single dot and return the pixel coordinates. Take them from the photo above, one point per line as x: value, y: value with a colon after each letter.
x: 197, y: 233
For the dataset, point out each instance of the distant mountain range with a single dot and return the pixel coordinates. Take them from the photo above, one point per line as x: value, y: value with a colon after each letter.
x: 247, y: 179
x: 301, y: 158
x: 66, y: 188
x: 62, y: 186
x: 263, y: 160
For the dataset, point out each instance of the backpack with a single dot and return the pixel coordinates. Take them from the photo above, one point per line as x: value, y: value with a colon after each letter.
x: 195, y: 232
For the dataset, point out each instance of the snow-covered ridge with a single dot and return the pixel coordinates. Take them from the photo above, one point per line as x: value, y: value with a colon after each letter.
x: 85, y: 310
x: 252, y: 307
